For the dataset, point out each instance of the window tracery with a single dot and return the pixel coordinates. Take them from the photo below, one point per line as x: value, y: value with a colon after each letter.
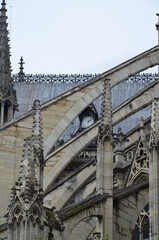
x: 139, y: 165
x: 141, y: 231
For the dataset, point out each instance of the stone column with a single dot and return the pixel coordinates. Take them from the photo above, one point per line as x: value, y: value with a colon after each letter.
x: 2, y: 113
x: 154, y: 172
x: 154, y: 193
x: 104, y: 172
x: 154, y: 163
x: 9, y: 232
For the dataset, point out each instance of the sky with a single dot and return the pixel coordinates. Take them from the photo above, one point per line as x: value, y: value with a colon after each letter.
x: 79, y: 36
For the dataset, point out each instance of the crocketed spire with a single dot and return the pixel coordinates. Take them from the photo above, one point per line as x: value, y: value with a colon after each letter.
x: 3, y: 9
x: 30, y: 178
x: 5, y: 66
x: 26, y: 205
x: 105, y: 128
x: 27, y: 182
x: 8, y: 98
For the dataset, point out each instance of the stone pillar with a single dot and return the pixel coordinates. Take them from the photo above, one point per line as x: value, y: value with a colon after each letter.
x: 154, y: 163
x: 104, y: 168
x: 104, y: 172
x: 154, y: 193
x: 9, y: 232
x: 151, y: 230
x: 157, y: 28
x: 2, y: 113
x: 154, y: 172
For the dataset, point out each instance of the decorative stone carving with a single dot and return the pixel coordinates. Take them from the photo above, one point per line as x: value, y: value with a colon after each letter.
x: 46, y: 78
x: 105, y: 128
x: 97, y: 236
x: 154, y: 138
x: 25, y: 212
x: 140, y: 163
x: 105, y: 133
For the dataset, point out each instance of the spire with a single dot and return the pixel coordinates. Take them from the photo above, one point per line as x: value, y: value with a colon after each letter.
x: 21, y: 68
x: 105, y: 128
x: 157, y: 28
x: 26, y: 211
x: 8, y: 100
x: 5, y: 66
x: 3, y: 9
x: 27, y: 182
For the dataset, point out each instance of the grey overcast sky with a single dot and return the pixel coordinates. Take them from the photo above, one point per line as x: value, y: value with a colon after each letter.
x: 79, y: 36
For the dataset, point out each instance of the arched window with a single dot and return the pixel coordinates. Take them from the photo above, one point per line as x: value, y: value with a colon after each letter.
x: 7, y: 111
x: 141, y: 230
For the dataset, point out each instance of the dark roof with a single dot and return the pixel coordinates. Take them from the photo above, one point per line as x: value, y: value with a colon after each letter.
x: 47, y: 87
x: 44, y: 88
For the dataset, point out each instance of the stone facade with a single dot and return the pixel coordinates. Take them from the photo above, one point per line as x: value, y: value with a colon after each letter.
x: 99, y: 183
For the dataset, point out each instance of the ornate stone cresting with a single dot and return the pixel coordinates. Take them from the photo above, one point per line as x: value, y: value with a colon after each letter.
x: 105, y: 128
x: 25, y: 217
x: 8, y: 100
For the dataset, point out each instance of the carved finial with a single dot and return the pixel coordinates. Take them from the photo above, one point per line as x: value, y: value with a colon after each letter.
x: 3, y: 9
x: 120, y: 130
x: 157, y: 27
x: 120, y: 135
x: 157, y: 24
x: 141, y: 122
x: 21, y: 68
x: 105, y: 128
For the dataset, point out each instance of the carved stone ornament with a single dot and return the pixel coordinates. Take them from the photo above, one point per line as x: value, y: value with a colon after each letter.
x: 105, y: 133
x: 96, y: 236
x: 140, y: 164
x: 154, y: 138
